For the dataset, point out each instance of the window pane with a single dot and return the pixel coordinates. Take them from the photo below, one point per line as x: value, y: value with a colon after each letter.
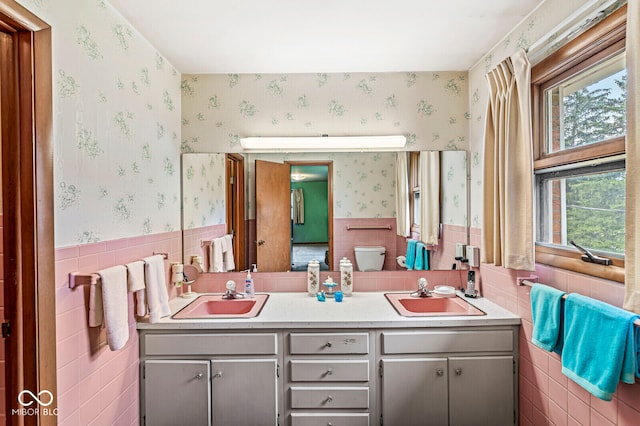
x: 588, y: 209
x: 590, y: 107
x: 416, y: 208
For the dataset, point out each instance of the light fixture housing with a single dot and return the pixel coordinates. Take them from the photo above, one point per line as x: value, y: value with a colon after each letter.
x: 323, y: 143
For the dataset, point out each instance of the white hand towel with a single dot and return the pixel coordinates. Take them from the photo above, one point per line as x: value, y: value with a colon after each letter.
x: 227, y: 255
x: 114, y: 303
x: 135, y: 281
x: 156, y: 284
x: 216, y: 262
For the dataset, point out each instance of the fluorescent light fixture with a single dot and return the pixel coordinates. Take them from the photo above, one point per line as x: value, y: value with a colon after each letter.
x: 323, y: 143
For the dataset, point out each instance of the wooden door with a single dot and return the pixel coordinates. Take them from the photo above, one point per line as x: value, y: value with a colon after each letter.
x: 414, y: 391
x: 26, y: 133
x: 244, y: 392
x: 235, y: 207
x: 481, y: 391
x: 176, y: 392
x: 273, y: 216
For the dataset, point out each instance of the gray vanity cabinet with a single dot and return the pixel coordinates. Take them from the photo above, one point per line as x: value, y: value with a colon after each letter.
x: 328, y: 378
x: 221, y: 379
x: 176, y: 392
x: 448, y: 377
x: 243, y: 391
x: 414, y: 390
x: 481, y: 390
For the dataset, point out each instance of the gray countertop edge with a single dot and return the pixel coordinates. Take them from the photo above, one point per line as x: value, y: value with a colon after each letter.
x: 366, y: 310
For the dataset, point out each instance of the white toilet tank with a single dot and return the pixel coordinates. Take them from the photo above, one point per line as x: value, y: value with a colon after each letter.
x: 369, y: 258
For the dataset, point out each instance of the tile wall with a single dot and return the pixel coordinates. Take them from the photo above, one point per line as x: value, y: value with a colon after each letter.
x: 95, y: 385
x: 547, y: 397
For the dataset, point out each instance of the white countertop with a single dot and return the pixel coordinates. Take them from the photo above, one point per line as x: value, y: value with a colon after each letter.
x: 362, y: 310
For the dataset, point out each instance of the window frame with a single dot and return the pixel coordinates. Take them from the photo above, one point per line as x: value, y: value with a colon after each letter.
x: 602, y: 41
x: 414, y: 187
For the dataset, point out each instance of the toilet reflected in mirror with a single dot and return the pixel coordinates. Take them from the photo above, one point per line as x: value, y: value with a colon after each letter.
x: 369, y: 258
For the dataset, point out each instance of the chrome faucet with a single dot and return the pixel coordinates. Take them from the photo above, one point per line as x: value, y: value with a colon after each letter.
x: 422, y: 291
x: 230, y: 292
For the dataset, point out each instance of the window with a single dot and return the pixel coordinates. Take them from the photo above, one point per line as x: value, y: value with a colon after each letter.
x: 579, y: 122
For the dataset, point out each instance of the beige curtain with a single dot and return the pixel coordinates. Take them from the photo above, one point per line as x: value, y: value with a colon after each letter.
x: 507, y: 230
x: 429, y: 196
x: 403, y: 192
x: 632, y: 243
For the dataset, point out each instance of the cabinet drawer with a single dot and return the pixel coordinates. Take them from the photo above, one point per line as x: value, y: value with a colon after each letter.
x: 412, y: 342
x: 334, y: 419
x: 211, y: 344
x: 329, y: 370
x: 329, y: 343
x: 329, y: 397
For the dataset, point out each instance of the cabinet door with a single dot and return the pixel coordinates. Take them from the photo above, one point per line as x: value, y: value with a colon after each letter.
x: 176, y: 392
x: 481, y: 391
x: 243, y: 392
x: 414, y: 391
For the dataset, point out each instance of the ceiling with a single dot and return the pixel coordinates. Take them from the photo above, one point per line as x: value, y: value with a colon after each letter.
x: 309, y: 173
x: 303, y: 36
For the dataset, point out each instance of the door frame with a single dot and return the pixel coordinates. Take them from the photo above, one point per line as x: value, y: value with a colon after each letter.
x: 236, y: 224
x: 329, y: 165
x: 28, y: 210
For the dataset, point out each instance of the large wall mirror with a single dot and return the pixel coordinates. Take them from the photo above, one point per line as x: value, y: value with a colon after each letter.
x: 332, y: 203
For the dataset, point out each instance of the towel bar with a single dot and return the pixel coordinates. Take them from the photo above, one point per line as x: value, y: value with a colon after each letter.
x: 350, y: 227
x: 76, y: 279
x: 528, y: 283
x: 207, y: 243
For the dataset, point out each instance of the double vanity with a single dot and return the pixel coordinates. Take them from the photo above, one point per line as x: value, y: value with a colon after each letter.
x: 372, y: 359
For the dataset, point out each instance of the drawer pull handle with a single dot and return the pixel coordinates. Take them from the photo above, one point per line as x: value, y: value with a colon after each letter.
x: 439, y: 372
x: 218, y: 374
x: 328, y: 399
x: 328, y: 344
x: 329, y: 372
x: 458, y: 371
x: 199, y: 376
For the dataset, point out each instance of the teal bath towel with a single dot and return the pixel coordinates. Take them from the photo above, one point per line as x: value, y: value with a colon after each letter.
x: 427, y: 254
x: 419, y: 257
x: 547, y: 315
x: 599, y: 345
x: 411, y: 254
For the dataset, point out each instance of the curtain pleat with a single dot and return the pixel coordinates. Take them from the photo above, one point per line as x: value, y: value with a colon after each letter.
x: 508, y: 229
x: 429, y: 197
x: 632, y: 220
x: 403, y: 227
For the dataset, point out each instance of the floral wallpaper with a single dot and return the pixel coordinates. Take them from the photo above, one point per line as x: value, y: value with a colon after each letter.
x: 430, y: 108
x: 363, y: 185
x: 453, y: 181
x: 116, y: 126
x: 544, y: 25
x: 203, y: 190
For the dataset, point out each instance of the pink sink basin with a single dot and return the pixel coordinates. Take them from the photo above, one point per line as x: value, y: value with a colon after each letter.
x: 214, y: 306
x: 409, y: 306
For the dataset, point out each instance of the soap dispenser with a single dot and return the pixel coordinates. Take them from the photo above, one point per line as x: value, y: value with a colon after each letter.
x: 249, y: 290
